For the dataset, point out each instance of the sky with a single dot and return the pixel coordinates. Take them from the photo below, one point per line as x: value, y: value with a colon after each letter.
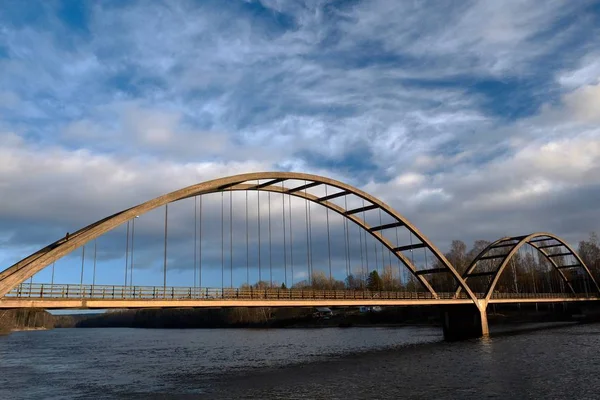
x: 474, y: 119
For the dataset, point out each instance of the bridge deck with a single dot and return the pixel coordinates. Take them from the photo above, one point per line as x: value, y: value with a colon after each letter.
x: 51, y: 296
x: 217, y: 303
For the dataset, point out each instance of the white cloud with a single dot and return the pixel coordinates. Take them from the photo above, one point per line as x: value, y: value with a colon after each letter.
x: 94, y: 185
x: 587, y: 73
x: 574, y: 160
x: 480, y: 37
x: 544, y: 182
x: 584, y: 103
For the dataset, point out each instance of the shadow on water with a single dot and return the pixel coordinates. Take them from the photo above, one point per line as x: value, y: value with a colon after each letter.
x: 516, y: 329
x: 487, y: 367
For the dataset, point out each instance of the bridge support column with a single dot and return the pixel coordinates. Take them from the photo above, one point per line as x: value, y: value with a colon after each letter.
x: 465, y: 321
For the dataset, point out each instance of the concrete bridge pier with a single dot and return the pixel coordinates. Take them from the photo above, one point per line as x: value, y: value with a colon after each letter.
x: 465, y: 321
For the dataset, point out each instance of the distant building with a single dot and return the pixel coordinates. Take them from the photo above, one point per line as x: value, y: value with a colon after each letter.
x: 323, y: 312
x: 366, y: 309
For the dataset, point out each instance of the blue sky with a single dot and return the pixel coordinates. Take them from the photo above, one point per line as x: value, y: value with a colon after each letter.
x: 474, y: 119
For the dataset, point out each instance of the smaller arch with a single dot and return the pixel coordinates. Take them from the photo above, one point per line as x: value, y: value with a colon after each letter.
x: 541, y: 241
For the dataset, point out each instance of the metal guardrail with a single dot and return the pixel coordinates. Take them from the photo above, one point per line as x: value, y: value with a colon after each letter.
x: 542, y: 295
x: 76, y: 291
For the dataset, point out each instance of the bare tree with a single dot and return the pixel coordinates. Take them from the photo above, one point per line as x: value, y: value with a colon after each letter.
x: 387, y: 279
x: 458, y: 256
x: 589, y: 251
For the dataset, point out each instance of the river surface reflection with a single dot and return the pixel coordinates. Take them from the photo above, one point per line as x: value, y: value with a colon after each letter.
x: 298, y: 363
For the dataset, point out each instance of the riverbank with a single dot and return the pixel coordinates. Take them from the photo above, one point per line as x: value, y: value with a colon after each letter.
x: 275, y: 318
x: 306, y: 318
x: 26, y: 319
x: 29, y: 328
x: 33, y: 319
x: 261, y: 317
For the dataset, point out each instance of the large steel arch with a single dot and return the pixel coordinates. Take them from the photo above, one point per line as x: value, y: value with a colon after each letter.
x: 271, y: 181
x: 540, y: 241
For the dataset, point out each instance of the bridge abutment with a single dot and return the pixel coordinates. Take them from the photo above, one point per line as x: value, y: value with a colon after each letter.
x: 464, y: 321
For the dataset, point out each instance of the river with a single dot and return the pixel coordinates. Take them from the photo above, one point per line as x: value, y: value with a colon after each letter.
x: 333, y: 363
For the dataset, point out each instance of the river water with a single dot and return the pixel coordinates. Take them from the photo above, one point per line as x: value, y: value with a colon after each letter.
x: 333, y: 363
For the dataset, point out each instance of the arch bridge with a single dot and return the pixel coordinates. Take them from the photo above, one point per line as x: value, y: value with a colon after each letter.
x: 430, y: 279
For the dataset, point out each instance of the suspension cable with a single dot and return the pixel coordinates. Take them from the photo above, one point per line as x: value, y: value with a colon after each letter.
x: 360, y: 238
x: 514, y: 271
x: 381, y: 243
x: 222, y: 243
x: 397, y: 258
x: 533, y: 270
x: 425, y: 254
x: 259, y: 241
x: 284, y: 237
x: 52, y: 279
x: 346, y: 249
x: 376, y: 258
x: 366, y: 246
x: 94, y: 273
x: 560, y: 281
x: 307, y: 241
x: 412, y: 259
x: 291, y: 241
x: 247, y: 244
x: 82, y: 264
x: 127, y: 254
x: 195, y: 239
x: 328, y: 236
x: 310, y: 239
x: 270, y: 243
x: 200, y: 242
x: 131, y: 263
x: 389, y: 253
x: 231, y: 238
x: 165, y: 254
x: 412, y: 255
x: 547, y: 273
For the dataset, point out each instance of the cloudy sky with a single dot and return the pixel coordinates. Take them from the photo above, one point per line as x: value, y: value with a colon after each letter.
x: 474, y: 119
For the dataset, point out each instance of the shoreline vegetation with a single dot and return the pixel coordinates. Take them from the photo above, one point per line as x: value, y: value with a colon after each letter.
x: 31, y: 320
x: 278, y: 318
x: 259, y: 317
x: 305, y: 317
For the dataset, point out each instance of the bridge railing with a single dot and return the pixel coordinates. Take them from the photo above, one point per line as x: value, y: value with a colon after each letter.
x: 76, y: 291
x: 497, y: 295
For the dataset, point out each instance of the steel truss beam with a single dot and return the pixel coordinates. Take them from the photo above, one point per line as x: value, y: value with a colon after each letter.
x: 362, y: 209
x: 410, y: 247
